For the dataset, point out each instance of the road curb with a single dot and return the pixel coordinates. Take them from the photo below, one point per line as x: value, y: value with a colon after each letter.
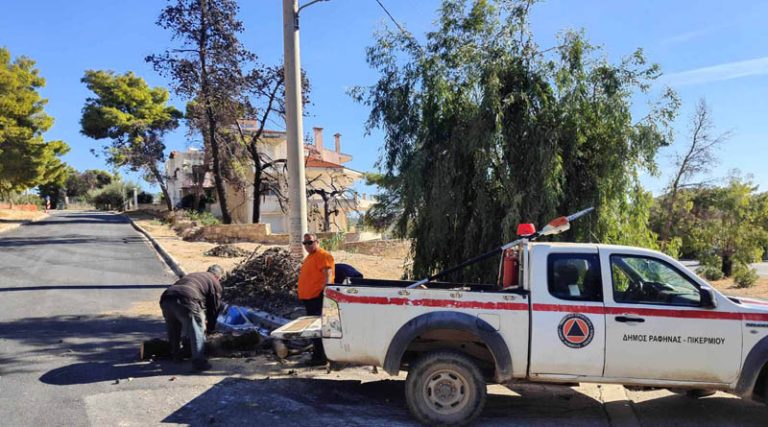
x: 167, y: 257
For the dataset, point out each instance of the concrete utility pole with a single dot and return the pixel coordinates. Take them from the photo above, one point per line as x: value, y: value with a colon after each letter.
x: 296, y: 181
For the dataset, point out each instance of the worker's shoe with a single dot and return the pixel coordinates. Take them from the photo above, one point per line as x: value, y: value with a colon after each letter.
x: 201, y: 365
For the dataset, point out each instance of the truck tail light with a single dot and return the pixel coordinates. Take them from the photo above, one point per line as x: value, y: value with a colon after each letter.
x: 331, y: 324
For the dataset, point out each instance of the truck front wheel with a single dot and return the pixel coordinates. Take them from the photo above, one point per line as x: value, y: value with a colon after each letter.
x: 445, y: 388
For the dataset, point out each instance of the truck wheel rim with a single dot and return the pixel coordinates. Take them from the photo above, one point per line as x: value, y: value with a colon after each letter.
x: 447, y: 391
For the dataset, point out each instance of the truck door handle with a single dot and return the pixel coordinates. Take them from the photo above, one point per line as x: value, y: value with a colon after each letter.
x: 627, y: 319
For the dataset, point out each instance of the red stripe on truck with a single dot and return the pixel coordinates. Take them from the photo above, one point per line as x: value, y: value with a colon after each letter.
x: 653, y: 312
x: 518, y: 306
x: 348, y: 298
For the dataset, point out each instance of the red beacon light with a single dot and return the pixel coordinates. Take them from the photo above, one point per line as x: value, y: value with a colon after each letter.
x: 526, y: 229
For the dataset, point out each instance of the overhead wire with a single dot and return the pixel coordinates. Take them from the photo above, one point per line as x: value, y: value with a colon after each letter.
x: 402, y: 30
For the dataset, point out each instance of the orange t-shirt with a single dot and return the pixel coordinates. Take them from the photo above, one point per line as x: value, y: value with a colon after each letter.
x: 311, y: 276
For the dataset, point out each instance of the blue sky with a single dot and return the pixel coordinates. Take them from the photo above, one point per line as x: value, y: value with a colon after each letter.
x: 711, y: 49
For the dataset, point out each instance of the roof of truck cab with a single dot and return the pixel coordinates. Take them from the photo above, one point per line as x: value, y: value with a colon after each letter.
x: 615, y: 248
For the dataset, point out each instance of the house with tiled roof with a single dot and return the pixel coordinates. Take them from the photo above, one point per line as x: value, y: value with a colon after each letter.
x: 326, y: 177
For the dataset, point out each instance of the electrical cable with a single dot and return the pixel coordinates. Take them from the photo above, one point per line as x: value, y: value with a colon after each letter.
x: 402, y: 30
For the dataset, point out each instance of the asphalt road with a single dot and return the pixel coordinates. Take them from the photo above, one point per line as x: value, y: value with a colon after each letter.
x: 762, y: 268
x: 58, y: 278
x: 68, y: 356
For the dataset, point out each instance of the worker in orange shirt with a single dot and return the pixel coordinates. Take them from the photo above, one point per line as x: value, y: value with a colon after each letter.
x: 316, y: 272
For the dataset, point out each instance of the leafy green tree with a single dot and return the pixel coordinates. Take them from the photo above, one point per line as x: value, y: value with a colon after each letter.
x: 57, y: 189
x: 26, y: 159
x: 207, y: 69
x: 727, y: 225
x: 387, y: 209
x: 112, y: 196
x: 80, y: 183
x: 484, y: 130
x: 134, y: 118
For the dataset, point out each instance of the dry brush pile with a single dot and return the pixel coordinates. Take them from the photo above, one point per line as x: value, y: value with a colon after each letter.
x: 226, y: 251
x: 265, y: 282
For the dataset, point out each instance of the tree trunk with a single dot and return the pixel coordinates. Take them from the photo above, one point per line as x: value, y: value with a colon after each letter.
x: 326, y: 216
x: 226, y: 218
x: 205, y: 89
x: 666, y: 231
x: 727, y: 267
x: 256, y: 218
x: 256, y: 215
x: 196, y: 200
x: 163, y: 187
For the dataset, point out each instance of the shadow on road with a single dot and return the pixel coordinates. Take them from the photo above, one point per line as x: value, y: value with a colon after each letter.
x: 68, y: 240
x: 680, y: 410
x: 322, y: 402
x: 94, y: 372
x: 296, y: 401
x: 80, y: 287
x: 82, y: 218
x: 316, y: 402
x: 92, y: 343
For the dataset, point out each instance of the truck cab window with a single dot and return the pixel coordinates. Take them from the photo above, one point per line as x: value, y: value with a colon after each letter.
x: 650, y: 281
x: 575, y: 277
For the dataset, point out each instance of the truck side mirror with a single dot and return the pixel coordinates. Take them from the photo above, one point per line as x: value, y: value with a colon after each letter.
x: 707, y: 298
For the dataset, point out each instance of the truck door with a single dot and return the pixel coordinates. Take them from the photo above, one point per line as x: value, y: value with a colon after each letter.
x: 657, y: 328
x: 568, y: 324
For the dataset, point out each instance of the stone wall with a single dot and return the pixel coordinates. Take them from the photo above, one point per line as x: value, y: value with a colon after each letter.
x: 383, y: 248
x: 227, y: 233
x: 261, y: 233
x: 158, y: 207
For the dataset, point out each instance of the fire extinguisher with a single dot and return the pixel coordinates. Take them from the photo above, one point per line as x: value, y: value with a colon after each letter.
x: 510, y: 269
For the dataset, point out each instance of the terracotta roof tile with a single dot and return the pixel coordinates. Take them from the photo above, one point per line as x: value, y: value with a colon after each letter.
x: 317, y: 163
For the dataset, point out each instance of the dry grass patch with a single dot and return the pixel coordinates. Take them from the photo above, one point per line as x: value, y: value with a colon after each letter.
x: 728, y: 287
x: 14, y: 215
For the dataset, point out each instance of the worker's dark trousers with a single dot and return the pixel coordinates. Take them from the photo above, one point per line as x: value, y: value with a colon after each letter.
x: 314, y: 307
x: 184, y: 319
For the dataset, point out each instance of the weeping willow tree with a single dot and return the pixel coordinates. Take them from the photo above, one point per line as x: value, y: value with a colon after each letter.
x: 484, y: 130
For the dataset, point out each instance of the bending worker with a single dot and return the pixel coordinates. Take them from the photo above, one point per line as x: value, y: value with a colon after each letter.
x: 190, y: 308
x: 316, y: 272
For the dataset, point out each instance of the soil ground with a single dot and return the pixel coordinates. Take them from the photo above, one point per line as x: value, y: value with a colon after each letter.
x: 10, y: 219
x: 758, y: 290
x: 190, y: 254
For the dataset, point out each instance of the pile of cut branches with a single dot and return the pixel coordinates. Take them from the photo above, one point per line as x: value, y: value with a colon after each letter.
x: 226, y: 251
x: 265, y: 282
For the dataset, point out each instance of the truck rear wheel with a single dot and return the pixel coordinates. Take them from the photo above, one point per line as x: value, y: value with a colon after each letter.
x: 445, y: 388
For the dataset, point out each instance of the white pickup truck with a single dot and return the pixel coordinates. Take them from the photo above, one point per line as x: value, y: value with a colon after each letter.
x: 569, y: 313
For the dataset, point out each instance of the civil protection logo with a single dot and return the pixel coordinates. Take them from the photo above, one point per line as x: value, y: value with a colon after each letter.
x: 576, y: 330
